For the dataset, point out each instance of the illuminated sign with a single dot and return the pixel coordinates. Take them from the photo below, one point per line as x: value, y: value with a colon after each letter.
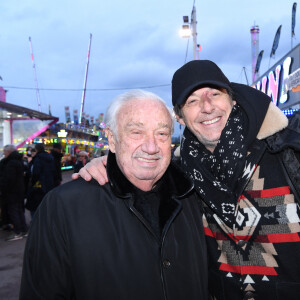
x: 292, y: 83
x: 45, y: 141
x: 67, y: 141
x: 273, y: 84
x: 62, y: 133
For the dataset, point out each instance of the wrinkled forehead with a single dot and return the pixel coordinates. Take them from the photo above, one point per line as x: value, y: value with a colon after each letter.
x: 142, y: 112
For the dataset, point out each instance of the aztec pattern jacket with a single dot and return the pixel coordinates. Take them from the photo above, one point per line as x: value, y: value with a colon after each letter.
x: 259, y: 257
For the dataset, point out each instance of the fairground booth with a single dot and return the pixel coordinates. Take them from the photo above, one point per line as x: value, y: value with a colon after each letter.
x: 73, y: 138
x: 19, y: 125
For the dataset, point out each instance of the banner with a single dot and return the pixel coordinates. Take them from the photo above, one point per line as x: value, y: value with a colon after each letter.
x: 294, y: 18
x: 259, y: 58
x: 75, y: 116
x: 100, y: 117
x: 67, y: 114
x: 276, y: 41
x: 82, y: 121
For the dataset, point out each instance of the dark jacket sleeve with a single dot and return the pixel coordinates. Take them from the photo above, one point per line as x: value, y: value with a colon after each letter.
x: 46, y: 269
x: 289, y: 137
x: 37, y: 169
x: 9, y: 176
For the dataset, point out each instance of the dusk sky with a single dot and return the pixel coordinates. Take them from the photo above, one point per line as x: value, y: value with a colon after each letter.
x: 135, y: 44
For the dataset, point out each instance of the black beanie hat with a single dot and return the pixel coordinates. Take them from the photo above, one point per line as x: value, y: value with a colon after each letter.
x: 193, y: 75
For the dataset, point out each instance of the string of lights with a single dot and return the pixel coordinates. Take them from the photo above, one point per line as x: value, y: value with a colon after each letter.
x: 289, y: 112
x: 92, y: 90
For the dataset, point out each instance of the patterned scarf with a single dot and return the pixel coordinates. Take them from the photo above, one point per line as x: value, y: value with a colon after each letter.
x: 217, y: 175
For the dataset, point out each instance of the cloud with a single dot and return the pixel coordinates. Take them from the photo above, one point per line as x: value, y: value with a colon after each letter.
x: 135, y: 43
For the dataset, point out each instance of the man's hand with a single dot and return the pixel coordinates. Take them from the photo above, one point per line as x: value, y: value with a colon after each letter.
x: 96, y: 169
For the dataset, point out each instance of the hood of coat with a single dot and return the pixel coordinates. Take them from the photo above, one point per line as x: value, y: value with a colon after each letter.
x: 264, y: 118
x: 178, y: 182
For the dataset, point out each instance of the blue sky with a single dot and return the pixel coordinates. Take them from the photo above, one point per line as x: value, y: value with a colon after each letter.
x: 135, y: 44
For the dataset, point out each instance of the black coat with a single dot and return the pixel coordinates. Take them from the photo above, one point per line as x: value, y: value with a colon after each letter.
x: 77, y: 166
x: 57, y: 167
x: 89, y: 242
x: 43, y: 171
x: 12, y: 185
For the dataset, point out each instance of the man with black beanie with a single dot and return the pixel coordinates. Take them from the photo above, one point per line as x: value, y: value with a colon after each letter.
x: 243, y: 155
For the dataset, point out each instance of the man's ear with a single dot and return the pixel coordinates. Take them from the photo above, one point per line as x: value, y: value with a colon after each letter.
x: 180, y: 120
x: 111, y: 140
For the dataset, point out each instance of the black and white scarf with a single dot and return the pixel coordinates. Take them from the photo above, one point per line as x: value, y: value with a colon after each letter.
x: 216, y: 175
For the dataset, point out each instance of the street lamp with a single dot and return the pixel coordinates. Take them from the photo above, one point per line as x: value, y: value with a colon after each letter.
x: 190, y: 29
x: 185, y: 31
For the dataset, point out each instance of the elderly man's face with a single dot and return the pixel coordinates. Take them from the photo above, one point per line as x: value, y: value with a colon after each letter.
x: 143, y: 145
x: 205, y: 113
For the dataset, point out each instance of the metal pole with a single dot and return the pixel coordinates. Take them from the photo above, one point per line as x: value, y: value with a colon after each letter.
x: 85, y: 80
x: 11, y: 131
x: 254, y: 50
x: 246, y: 75
x: 194, y: 33
x: 35, y: 77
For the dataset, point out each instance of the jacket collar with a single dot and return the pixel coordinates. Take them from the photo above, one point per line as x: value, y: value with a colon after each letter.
x: 178, y: 182
x: 264, y: 117
x: 274, y: 121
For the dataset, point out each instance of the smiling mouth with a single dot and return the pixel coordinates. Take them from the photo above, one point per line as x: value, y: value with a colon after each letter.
x: 211, y: 121
x: 147, y: 160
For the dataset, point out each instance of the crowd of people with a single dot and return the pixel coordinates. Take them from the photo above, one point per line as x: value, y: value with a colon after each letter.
x: 24, y: 181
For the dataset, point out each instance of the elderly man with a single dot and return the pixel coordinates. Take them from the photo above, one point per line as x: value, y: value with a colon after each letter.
x: 138, y: 237
x: 12, y: 188
x: 243, y: 156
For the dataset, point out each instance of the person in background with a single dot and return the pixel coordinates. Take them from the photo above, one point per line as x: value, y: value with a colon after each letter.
x: 82, y: 160
x: 27, y: 158
x: 42, y: 178
x: 56, y: 152
x: 244, y: 157
x: 12, y: 190
x: 138, y: 237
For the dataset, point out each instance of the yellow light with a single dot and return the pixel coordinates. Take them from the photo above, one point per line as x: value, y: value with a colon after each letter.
x: 62, y: 133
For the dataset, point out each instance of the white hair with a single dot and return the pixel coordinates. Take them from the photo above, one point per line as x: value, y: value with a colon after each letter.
x: 9, y: 148
x: 117, y: 103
